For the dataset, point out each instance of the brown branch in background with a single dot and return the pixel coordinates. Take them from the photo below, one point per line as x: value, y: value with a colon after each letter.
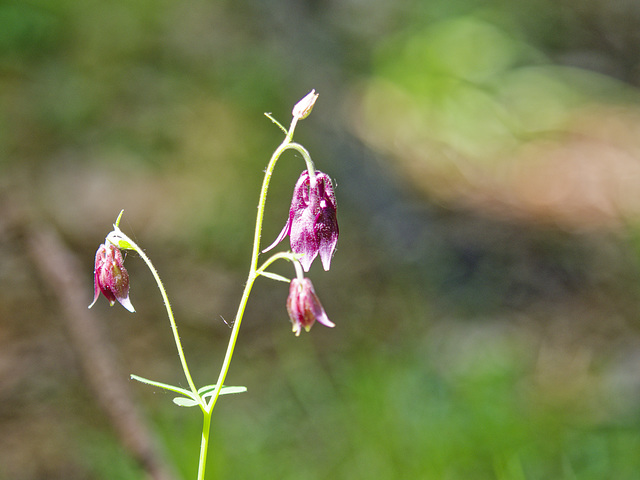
x: 60, y: 270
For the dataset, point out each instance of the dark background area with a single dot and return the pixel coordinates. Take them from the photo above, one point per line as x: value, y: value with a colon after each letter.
x: 485, y: 287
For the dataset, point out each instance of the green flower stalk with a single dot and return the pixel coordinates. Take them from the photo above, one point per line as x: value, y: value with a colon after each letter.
x: 313, y: 229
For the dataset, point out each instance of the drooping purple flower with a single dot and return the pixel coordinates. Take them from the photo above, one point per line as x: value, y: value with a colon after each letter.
x: 312, y: 225
x: 110, y: 277
x: 304, y: 307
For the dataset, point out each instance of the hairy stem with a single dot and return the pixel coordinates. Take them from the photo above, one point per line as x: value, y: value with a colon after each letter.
x: 253, y: 269
x: 121, y: 237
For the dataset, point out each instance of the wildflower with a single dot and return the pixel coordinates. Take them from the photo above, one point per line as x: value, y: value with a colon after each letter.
x: 304, y: 307
x: 110, y: 277
x: 303, y: 108
x: 312, y: 225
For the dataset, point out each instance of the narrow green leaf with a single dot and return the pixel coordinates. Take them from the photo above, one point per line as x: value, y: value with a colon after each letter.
x: 268, y: 115
x: 206, y: 388
x: 275, y: 276
x: 117, y: 224
x: 166, y: 386
x: 185, y: 402
x: 225, y: 391
x: 231, y: 390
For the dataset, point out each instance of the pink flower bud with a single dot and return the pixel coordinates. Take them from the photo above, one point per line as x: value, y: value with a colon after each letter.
x: 304, y: 307
x: 110, y: 277
x: 303, y: 107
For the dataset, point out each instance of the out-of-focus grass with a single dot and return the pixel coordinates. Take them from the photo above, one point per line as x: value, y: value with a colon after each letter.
x: 463, y: 402
x: 452, y: 400
x: 105, y: 458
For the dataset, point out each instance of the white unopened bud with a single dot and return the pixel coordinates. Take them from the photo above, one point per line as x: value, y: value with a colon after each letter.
x: 303, y: 107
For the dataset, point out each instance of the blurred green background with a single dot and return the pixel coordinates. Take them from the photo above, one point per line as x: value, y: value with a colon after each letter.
x: 485, y: 287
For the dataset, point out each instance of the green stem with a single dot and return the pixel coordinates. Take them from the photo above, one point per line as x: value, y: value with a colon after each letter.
x: 253, y: 274
x: 123, y: 241
x: 121, y: 237
x: 299, y: 272
x: 305, y: 154
x: 281, y: 255
x: 204, y: 444
x: 253, y: 269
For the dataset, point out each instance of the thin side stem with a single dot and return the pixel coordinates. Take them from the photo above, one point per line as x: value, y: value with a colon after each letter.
x: 284, y: 255
x: 174, y: 326
x: 305, y: 155
x: 298, y: 267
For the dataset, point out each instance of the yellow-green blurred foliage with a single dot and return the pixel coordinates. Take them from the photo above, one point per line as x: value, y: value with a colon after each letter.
x: 486, y: 156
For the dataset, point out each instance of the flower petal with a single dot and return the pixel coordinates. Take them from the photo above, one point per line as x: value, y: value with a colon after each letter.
x: 304, y: 307
x: 303, y: 238
x: 283, y: 233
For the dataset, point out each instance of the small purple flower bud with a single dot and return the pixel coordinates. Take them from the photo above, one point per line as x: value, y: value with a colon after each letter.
x: 312, y: 225
x: 304, y: 307
x: 110, y: 277
x: 303, y: 108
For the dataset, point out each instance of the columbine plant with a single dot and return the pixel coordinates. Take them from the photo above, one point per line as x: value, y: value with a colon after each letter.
x: 313, y: 230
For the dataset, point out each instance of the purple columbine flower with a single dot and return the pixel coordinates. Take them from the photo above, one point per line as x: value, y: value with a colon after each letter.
x: 313, y: 225
x: 110, y: 277
x: 304, y: 307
